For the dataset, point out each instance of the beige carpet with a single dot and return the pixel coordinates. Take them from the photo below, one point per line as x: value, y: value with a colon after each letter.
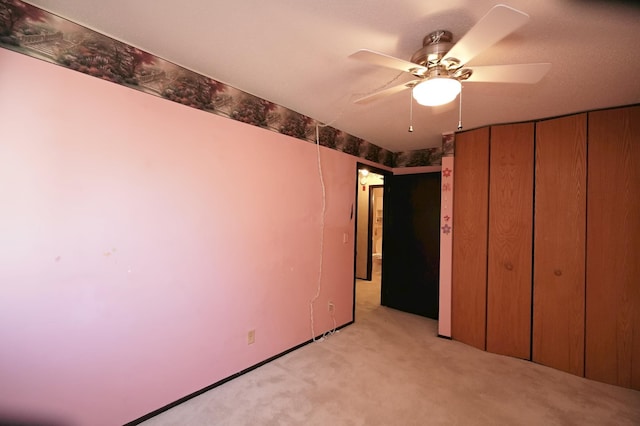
x: 389, y: 368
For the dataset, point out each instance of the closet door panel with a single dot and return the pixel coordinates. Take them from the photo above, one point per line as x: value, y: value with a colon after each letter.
x: 470, y: 205
x: 559, y: 243
x: 613, y: 248
x: 510, y: 240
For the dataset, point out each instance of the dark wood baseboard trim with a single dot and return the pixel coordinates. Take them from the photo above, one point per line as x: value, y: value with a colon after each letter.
x: 225, y: 380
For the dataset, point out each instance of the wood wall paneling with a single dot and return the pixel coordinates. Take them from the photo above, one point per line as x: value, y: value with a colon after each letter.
x: 613, y: 245
x: 510, y: 240
x: 559, y: 243
x: 469, y: 269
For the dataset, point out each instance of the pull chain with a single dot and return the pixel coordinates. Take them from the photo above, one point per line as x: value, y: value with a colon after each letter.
x: 410, y: 112
x: 460, y: 111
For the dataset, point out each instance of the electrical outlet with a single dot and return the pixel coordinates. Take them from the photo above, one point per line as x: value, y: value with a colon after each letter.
x: 331, y: 306
x: 251, y: 337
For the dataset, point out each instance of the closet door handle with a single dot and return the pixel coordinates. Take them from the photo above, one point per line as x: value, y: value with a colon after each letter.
x: 557, y: 272
x: 509, y: 266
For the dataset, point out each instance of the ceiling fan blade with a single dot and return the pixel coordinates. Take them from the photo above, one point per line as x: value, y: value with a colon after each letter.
x: 513, y: 73
x: 381, y: 59
x: 386, y: 92
x: 498, y: 23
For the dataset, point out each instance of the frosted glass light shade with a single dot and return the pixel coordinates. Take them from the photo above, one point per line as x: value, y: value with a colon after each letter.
x: 436, y: 91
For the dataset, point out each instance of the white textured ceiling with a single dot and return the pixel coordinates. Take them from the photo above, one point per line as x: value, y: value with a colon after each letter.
x: 295, y: 53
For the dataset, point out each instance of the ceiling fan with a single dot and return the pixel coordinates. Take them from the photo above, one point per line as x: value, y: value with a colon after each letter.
x: 440, y: 65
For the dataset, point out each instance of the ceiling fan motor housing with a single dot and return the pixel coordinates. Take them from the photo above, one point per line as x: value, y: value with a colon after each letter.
x: 434, y: 46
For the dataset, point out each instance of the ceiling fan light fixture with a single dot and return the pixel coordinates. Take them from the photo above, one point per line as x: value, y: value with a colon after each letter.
x: 436, y: 91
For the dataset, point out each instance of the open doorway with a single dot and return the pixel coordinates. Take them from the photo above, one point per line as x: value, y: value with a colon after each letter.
x: 369, y: 236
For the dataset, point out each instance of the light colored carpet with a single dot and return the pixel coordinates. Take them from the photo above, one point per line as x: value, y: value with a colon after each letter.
x: 389, y: 368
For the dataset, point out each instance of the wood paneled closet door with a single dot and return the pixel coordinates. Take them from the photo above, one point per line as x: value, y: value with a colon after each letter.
x: 470, y: 207
x: 559, y: 243
x: 613, y: 248
x: 510, y: 240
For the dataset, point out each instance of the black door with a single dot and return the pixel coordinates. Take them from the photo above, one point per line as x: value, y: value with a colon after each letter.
x: 411, y: 243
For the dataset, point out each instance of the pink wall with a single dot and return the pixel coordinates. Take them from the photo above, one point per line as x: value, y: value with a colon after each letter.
x: 141, y: 239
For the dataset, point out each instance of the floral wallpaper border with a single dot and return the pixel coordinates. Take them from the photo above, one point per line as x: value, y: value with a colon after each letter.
x: 32, y: 31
